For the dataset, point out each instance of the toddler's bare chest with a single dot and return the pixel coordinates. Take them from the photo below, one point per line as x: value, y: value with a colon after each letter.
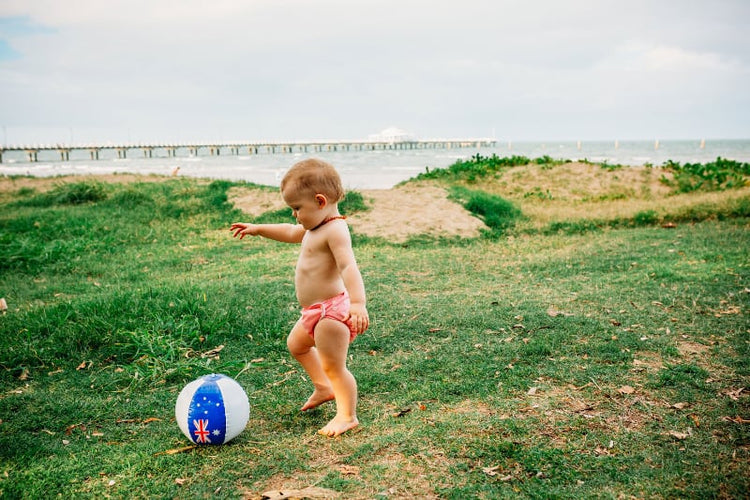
x: 314, y: 254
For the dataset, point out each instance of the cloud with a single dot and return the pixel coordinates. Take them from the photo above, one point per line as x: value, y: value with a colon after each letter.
x: 637, y: 56
x: 294, y: 68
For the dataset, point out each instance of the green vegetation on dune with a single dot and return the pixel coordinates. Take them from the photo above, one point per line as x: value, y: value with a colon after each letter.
x: 594, y: 355
x: 478, y: 183
x: 479, y: 167
x: 718, y: 175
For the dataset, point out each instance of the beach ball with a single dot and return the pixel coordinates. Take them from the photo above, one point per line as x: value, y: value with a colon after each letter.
x: 212, y: 409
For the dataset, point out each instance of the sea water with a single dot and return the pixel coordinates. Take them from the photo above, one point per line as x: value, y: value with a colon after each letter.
x: 381, y: 169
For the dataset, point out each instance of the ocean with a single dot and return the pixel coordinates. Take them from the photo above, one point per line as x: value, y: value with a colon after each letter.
x: 371, y: 169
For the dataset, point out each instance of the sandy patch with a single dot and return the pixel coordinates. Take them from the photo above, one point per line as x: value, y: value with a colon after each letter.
x: 692, y: 349
x: 255, y: 202
x: 410, y: 210
x: 395, y: 214
x: 647, y: 361
x: 580, y: 181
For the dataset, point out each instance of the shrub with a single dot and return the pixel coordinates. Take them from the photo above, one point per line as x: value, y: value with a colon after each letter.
x: 646, y: 218
x: 130, y: 197
x: 714, y: 176
x: 353, y: 202
x: 497, y: 213
x: 76, y: 193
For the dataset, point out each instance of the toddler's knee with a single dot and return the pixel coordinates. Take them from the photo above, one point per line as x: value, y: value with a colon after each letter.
x: 334, y: 370
x: 291, y: 345
x: 295, y: 346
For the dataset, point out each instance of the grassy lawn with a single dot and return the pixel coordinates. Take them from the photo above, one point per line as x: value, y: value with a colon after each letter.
x: 571, y: 352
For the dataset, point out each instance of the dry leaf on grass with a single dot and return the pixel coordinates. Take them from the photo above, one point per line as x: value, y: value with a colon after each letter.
x: 69, y: 429
x: 735, y: 395
x: 731, y: 310
x: 554, y: 312
x: 680, y: 435
x: 737, y: 420
x: 309, y: 492
x: 211, y: 353
x: 174, y: 451
x: 491, y: 471
x: 349, y: 470
x: 494, y: 471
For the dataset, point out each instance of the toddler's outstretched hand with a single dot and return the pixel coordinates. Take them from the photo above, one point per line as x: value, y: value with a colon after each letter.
x: 242, y: 229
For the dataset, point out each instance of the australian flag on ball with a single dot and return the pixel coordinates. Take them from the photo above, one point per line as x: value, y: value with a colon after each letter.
x: 212, y: 409
x: 207, y: 415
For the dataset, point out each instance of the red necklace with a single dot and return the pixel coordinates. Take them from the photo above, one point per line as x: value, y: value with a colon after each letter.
x: 327, y: 220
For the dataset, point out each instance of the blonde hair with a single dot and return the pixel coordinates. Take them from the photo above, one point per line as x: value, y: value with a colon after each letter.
x: 315, y: 177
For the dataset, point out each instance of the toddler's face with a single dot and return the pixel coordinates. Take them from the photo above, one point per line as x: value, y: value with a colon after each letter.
x: 305, y: 208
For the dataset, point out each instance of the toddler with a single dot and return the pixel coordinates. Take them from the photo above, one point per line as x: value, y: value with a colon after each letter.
x: 328, y: 283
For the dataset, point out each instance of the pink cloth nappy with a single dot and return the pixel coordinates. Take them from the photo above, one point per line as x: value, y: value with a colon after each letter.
x: 335, y: 308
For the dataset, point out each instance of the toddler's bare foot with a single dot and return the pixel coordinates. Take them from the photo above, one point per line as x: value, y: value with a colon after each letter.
x: 318, y: 398
x: 338, y: 426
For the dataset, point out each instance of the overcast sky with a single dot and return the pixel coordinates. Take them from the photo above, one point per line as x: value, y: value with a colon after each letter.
x: 186, y: 70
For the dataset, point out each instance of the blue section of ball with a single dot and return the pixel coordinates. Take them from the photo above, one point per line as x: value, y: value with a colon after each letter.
x: 207, y: 418
x: 212, y: 409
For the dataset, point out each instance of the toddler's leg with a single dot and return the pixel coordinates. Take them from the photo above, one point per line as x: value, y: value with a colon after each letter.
x: 302, y: 347
x: 332, y: 342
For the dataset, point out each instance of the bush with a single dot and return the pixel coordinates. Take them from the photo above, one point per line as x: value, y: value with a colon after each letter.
x: 76, y: 193
x: 130, y: 198
x: 353, y: 202
x: 646, y: 218
x: 497, y: 213
x: 714, y: 176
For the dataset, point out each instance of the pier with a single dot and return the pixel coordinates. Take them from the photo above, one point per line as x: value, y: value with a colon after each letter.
x: 175, y: 150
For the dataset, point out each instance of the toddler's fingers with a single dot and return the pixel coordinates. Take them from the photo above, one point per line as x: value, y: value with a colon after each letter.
x: 359, y: 323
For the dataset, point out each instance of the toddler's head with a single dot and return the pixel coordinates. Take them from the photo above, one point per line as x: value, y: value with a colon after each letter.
x: 313, y: 177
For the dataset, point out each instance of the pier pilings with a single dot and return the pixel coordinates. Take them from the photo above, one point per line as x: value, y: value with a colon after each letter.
x: 174, y: 150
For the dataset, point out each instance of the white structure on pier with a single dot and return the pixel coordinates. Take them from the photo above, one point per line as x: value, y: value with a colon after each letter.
x: 392, y: 135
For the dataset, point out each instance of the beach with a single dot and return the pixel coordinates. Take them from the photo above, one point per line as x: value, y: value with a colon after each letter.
x: 381, y: 169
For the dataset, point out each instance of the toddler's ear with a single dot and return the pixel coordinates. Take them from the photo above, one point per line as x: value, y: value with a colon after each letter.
x: 321, y: 199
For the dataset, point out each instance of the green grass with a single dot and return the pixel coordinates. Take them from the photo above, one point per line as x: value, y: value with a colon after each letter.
x: 568, y: 364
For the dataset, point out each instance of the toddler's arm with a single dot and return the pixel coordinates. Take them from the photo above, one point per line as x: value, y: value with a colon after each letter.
x: 340, y: 244
x: 286, y: 233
